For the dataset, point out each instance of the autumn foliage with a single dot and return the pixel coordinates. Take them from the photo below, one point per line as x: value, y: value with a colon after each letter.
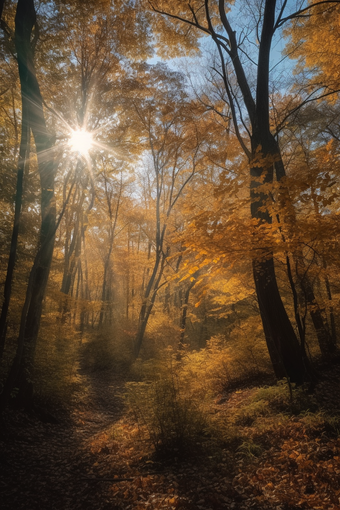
x: 188, y: 243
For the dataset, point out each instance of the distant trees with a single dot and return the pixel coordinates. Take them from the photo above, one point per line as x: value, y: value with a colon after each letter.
x: 95, y: 58
x: 172, y: 141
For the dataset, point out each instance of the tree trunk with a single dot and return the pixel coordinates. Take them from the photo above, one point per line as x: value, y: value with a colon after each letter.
x: 20, y: 375
x: 72, y: 246
x: 24, y: 149
x: 283, y: 346
x: 185, y: 304
x: 331, y: 311
x: 149, y: 300
x: 325, y: 339
x: 2, y: 3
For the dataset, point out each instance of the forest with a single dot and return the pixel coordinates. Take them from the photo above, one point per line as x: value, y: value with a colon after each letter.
x: 169, y: 248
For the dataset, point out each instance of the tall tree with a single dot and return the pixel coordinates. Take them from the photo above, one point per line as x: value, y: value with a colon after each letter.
x: 113, y: 198
x: 22, y: 162
x: 262, y: 149
x: 173, y: 144
x: 22, y: 366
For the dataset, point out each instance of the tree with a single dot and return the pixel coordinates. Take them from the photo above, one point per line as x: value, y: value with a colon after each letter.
x: 74, y: 230
x: 173, y: 143
x: 113, y: 196
x: 262, y: 150
x: 21, y: 369
x: 23, y: 156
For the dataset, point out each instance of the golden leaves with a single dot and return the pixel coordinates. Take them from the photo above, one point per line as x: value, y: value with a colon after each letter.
x: 315, y: 41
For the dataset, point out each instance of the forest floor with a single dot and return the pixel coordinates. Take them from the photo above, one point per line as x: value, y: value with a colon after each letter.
x: 94, y: 457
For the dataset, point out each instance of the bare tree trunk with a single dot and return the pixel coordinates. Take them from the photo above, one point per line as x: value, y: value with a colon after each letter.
x: 283, y: 347
x: 107, y: 277
x: 72, y: 246
x: 85, y: 296
x: 127, y: 303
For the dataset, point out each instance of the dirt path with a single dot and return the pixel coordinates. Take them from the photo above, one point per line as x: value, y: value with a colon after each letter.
x: 48, y: 465
x: 78, y: 464
x: 75, y: 464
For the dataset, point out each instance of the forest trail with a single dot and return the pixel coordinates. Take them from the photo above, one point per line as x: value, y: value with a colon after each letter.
x: 77, y: 463
x: 48, y: 465
x: 72, y: 464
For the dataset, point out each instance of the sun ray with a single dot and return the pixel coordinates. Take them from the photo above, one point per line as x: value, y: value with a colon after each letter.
x: 112, y: 150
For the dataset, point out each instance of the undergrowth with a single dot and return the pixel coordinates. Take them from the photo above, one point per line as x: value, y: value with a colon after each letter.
x: 176, y: 402
x: 56, y: 363
x: 101, y: 352
x: 169, y: 404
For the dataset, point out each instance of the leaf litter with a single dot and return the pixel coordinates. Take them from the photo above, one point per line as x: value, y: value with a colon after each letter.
x: 97, y: 458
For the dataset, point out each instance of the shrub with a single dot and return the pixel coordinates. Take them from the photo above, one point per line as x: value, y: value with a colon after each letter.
x: 102, y: 351
x: 56, y: 362
x: 281, y: 397
x: 170, y: 407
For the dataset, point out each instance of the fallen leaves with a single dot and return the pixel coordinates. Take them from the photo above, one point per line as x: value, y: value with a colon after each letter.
x: 89, y: 464
x: 303, y: 474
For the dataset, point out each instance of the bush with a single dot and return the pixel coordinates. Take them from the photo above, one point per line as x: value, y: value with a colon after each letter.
x: 282, y: 397
x: 170, y: 407
x: 56, y: 362
x: 273, y: 402
x: 102, y: 351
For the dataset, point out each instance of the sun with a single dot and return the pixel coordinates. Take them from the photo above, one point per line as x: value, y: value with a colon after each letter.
x: 80, y: 141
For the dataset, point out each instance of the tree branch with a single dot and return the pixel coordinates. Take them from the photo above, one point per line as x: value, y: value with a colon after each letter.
x: 300, y: 13
x: 306, y: 101
x: 179, y: 18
